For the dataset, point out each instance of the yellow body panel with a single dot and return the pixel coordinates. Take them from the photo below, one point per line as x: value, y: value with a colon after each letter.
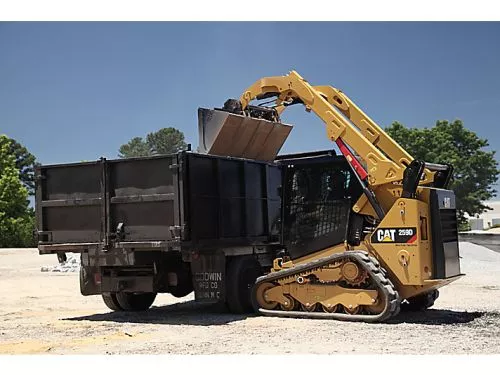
x: 409, y: 264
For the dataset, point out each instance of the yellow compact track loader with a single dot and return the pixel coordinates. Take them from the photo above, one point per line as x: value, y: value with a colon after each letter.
x: 364, y: 234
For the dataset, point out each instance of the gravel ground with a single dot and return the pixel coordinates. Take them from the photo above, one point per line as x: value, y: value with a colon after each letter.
x: 43, y: 312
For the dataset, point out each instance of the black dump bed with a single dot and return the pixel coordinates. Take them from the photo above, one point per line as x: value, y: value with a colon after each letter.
x: 183, y: 200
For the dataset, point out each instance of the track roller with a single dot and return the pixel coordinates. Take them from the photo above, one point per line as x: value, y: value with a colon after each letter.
x: 309, y: 307
x: 330, y: 309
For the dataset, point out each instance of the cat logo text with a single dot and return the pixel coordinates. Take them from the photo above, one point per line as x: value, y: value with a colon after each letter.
x: 395, y: 235
x: 386, y: 235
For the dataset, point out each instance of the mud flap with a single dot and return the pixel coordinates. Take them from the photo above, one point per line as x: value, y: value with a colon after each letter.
x: 209, y: 276
x: 88, y: 287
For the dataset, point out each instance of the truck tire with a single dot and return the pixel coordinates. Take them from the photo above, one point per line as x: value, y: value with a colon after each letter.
x: 241, y: 274
x: 111, y: 301
x: 135, y: 301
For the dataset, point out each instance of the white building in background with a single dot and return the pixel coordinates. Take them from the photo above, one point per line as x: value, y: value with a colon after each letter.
x: 487, y: 219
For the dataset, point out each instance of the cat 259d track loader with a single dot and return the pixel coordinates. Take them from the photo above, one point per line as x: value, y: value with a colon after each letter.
x: 364, y: 234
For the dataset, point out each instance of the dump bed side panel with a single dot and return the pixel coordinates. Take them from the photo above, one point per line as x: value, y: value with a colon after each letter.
x: 202, y: 200
x: 230, y: 201
x: 89, y: 202
x: 68, y: 203
x: 142, y: 195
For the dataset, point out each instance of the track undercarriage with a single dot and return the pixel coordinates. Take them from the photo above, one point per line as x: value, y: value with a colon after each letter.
x: 346, y: 286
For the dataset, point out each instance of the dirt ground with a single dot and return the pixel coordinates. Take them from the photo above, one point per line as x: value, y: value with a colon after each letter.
x: 45, y: 313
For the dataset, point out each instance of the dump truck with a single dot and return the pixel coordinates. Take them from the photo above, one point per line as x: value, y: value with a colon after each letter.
x: 352, y: 235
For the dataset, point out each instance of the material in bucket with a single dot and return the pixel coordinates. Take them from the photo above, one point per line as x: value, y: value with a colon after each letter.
x: 227, y: 134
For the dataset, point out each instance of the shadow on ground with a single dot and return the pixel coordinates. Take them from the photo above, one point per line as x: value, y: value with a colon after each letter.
x: 196, y: 313
x: 436, y: 317
x: 189, y: 312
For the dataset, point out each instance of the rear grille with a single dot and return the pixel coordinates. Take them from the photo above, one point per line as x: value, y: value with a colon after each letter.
x: 445, y: 250
x: 449, y: 230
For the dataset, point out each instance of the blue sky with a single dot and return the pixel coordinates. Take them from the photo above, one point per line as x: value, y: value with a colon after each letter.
x: 77, y: 91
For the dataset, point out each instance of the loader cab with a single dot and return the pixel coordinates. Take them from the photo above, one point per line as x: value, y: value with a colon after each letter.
x: 318, y: 192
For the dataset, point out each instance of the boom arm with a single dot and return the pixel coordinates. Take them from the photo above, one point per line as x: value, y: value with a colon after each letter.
x: 384, y: 158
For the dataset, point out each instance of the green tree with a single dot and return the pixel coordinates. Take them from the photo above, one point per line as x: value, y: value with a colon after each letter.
x: 25, y: 164
x: 163, y: 141
x: 166, y: 141
x: 16, y: 219
x: 134, y: 148
x: 475, y: 169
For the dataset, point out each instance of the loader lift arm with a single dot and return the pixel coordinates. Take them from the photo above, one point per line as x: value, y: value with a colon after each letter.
x: 386, y: 161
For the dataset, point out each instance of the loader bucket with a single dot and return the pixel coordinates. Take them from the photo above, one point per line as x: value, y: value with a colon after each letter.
x: 227, y: 134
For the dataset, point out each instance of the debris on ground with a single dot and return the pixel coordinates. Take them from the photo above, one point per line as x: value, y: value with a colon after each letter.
x: 72, y: 264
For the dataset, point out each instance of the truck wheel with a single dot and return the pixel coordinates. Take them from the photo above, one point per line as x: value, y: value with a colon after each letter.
x: 111, y: 301
x: 241, y: 274
x: 421, y: 302
x: 135, y: 301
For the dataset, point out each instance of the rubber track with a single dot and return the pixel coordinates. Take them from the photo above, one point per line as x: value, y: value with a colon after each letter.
x: 370, y: 264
